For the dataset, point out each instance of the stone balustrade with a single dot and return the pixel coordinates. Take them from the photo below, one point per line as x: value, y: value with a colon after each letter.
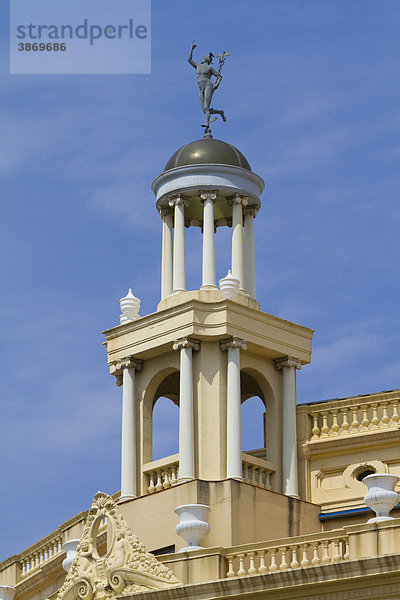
x: 339, y: 419
x: 290, y: 553
x: 160, y: 474
x: 36, y: 558
x: 256, y: 471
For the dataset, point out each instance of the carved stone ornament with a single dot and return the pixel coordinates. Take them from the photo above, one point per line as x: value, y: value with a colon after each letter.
x: 187, y: 343
x: 233, y: 342
x: 117, y: 367
x: 179, y: 200
x: 237, y: 199
x: 287, y: 361
x: 125, y: 569
x: 208, y: 196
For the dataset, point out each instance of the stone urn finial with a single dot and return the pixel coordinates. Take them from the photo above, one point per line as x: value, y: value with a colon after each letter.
x: 70, y: 548
x: 7, y: 592
x: 129, y: 307
x: 192, y: 525
x: 229, y: 285
x: 381, y: 496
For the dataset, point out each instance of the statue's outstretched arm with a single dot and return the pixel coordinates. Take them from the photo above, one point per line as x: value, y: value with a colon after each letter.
x: 190, y: 57
x: 217, y: 82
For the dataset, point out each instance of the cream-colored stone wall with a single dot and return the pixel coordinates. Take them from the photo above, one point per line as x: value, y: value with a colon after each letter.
x: 351, y: 436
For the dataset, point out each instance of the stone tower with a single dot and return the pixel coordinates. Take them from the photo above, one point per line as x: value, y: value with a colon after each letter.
x: 208, y: 349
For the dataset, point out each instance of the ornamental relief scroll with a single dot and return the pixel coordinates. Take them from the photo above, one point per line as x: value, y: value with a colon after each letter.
x: 126, y: 567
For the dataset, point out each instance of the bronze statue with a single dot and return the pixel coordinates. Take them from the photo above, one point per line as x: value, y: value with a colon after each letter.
x: 205, y: 71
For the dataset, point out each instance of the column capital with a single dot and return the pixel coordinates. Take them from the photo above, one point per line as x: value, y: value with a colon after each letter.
x: 287, y: 361
x: 186, y: 342
x: 208, y: 196
x: 233, y: 342
x: 164, y: 211
x: 238, y: 199
x: 250, y: 210
x: 129, y: 362
x: 178, y: 201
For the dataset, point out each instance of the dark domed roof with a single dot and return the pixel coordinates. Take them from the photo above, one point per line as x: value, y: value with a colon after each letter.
x: 207, y: 151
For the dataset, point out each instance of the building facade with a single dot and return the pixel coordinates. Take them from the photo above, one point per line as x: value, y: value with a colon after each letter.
x: 287, y: 520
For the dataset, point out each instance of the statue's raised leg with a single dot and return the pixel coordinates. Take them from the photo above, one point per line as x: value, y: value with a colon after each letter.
x: 214, y: 111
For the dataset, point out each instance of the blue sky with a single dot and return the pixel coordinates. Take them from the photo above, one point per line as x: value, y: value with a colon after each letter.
x: 311, y: 92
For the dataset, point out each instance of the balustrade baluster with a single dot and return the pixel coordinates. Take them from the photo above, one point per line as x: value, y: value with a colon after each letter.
x: 335, y: 427
x: 336, y: 557
x: 231, y: 572
x: 159, y: 485
x: 166, y: 482
x: 324, y: 428
x: 395, y: 414
x: 345, y: 423
x: 174, y: 477
x: 325, y: 553
x: 355, y: 424
x: 273, y: 566
x: 315, y: 559
x: 365, y: 420
x: 151, y: 487
x: 346, y: 555
x: 283, y: 566
x: 375, y: 419
x: 246, y: 478
x: 262, y: 569
x: 267, y: 480
x: 254, y: 475
x: 385, y: 417
x: 242, y: 571
x: 294, y: 563
x: 315, y: 429
x: 252, y: 568
x: 304, y: 558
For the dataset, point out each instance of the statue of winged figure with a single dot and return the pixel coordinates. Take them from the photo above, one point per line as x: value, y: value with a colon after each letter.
x: 207, y: 87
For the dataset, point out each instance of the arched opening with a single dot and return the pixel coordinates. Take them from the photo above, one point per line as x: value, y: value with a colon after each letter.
x: 165, y: 428
x: 165, y: 417
x: 253, y: 417
x: 253, y: 426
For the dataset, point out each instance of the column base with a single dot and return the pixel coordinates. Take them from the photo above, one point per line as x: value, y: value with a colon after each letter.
x: 295, y: 496
x: 177, y: 291
x: 184, y: 479
x: 236, y: 478
x: 125, y: 498
x: 208, y: 286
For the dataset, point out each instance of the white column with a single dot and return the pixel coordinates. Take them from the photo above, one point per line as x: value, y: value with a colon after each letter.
x: 249, y: 252
x: 179, y: 261
x: 166, y: 262
x: 208, y: 199
x: 289, y: 457
x: 124, y: 370
x: 234, y: 409
x: 237, y: 238
x: 186, y: 421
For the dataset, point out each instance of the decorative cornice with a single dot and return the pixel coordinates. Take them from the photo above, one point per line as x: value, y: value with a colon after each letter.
x: 208, y: 196
x: 233, y: 342
x: 186, y: 343
x: 179, y: 200
x: 287, y: 361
